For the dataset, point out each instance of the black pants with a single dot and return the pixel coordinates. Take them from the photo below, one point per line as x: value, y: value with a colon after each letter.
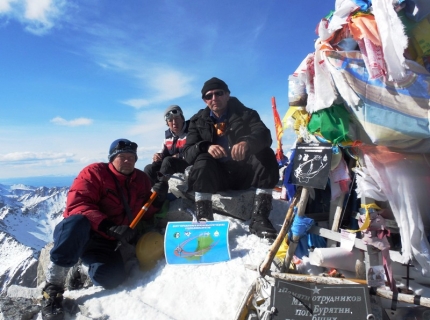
x: 169, y: 165
x: 210, y: 176
x: 73, y: 239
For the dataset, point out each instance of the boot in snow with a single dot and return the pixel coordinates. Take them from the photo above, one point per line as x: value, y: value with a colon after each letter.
x: 204, y: 210
x: 52, y: 303
x: 260, y: 223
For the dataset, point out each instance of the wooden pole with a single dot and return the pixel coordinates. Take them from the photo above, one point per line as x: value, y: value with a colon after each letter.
x: 243, y: 308
x: 338, y: 213
x: 336, y: 219
x: 265, y: 265
x: 307, y: 278
x: 292, y: 245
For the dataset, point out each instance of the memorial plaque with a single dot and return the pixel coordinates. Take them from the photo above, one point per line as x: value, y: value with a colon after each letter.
x: 311, y: 165
x: 302, y: 300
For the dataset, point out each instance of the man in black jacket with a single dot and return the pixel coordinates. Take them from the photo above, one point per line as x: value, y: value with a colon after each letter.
x: 229, y: 148
x: 170, y: 159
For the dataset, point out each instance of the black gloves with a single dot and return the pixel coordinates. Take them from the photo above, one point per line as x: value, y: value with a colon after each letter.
x: 122, y: 233
x: 161, y: 188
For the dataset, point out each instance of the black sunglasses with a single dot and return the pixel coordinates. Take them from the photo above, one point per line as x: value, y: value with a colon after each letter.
x: 124, y: 145
x: 208, y: 96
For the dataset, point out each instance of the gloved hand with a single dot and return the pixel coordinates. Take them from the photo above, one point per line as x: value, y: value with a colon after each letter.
x: 161, y: 188
x: 122, y: 233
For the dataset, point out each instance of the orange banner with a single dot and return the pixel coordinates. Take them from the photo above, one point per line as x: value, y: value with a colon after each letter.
x: 279, y: 132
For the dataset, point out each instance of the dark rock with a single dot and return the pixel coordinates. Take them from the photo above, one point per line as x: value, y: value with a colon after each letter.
x: 235, y: 203
x: 18, y: 308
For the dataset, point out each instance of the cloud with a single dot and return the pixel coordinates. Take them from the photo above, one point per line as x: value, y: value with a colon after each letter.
x: 171, y: 84
x: 38, y: 16
x: 25, y: 157
x: 151, y: 125
x: 165, y: 84
x: 72, y: 123
x: 5, y: 5
x: 137, y: 103
x: 129, y: 50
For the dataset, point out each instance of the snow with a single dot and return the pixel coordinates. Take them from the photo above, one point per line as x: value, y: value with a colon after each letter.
x: 212, y: 291
x: 185, y: 292
x: 188, y: 292
x: 12, y: 253
x: 20, y: 186
x: 182, y: 292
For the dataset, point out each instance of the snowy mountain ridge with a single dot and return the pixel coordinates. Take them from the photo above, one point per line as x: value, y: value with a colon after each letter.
x: 28, y: 216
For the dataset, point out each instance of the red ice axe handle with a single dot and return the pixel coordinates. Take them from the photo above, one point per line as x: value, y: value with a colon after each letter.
x: 142, y: 211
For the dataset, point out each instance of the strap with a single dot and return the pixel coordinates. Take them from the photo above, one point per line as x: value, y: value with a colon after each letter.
x: 417, y: 299
x: 124, y: 201
x: 174, y: 142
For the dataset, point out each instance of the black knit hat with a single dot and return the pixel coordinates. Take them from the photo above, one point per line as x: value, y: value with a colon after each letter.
x: 214, y: 83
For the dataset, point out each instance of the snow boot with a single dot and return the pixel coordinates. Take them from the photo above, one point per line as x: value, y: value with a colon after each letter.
x: 77, y: 277
x: 260, y: 223
x: 52, y: 303
x: 204, y: 210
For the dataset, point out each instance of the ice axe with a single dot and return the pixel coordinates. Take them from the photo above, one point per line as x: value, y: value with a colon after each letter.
x: 162, y: 178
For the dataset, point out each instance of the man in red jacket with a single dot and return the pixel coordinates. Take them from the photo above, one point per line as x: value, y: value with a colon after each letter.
x: 102, y: 202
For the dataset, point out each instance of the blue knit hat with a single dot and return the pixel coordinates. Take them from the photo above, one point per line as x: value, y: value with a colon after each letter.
x: 121, y: 146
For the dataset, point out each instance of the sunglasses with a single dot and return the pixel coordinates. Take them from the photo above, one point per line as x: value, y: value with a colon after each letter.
x: 124, y: 145
x: 172, y: 114
x: 209, y: 96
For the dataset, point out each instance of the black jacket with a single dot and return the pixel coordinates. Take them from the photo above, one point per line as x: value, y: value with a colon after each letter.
x: 243, y: 124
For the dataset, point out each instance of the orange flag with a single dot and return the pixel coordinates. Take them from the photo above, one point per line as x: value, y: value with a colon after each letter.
x: 279, y: 132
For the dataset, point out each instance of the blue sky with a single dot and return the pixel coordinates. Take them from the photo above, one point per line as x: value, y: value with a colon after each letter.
x: 76, y: 75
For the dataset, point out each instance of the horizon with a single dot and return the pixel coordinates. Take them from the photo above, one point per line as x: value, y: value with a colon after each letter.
x: 81, y: 75
x: 40, y: 181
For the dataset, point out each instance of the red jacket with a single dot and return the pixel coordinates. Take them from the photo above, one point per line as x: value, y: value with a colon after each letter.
x: 94, y: 194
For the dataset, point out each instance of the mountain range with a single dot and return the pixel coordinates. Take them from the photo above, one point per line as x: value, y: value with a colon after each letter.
x: 28, y: 216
